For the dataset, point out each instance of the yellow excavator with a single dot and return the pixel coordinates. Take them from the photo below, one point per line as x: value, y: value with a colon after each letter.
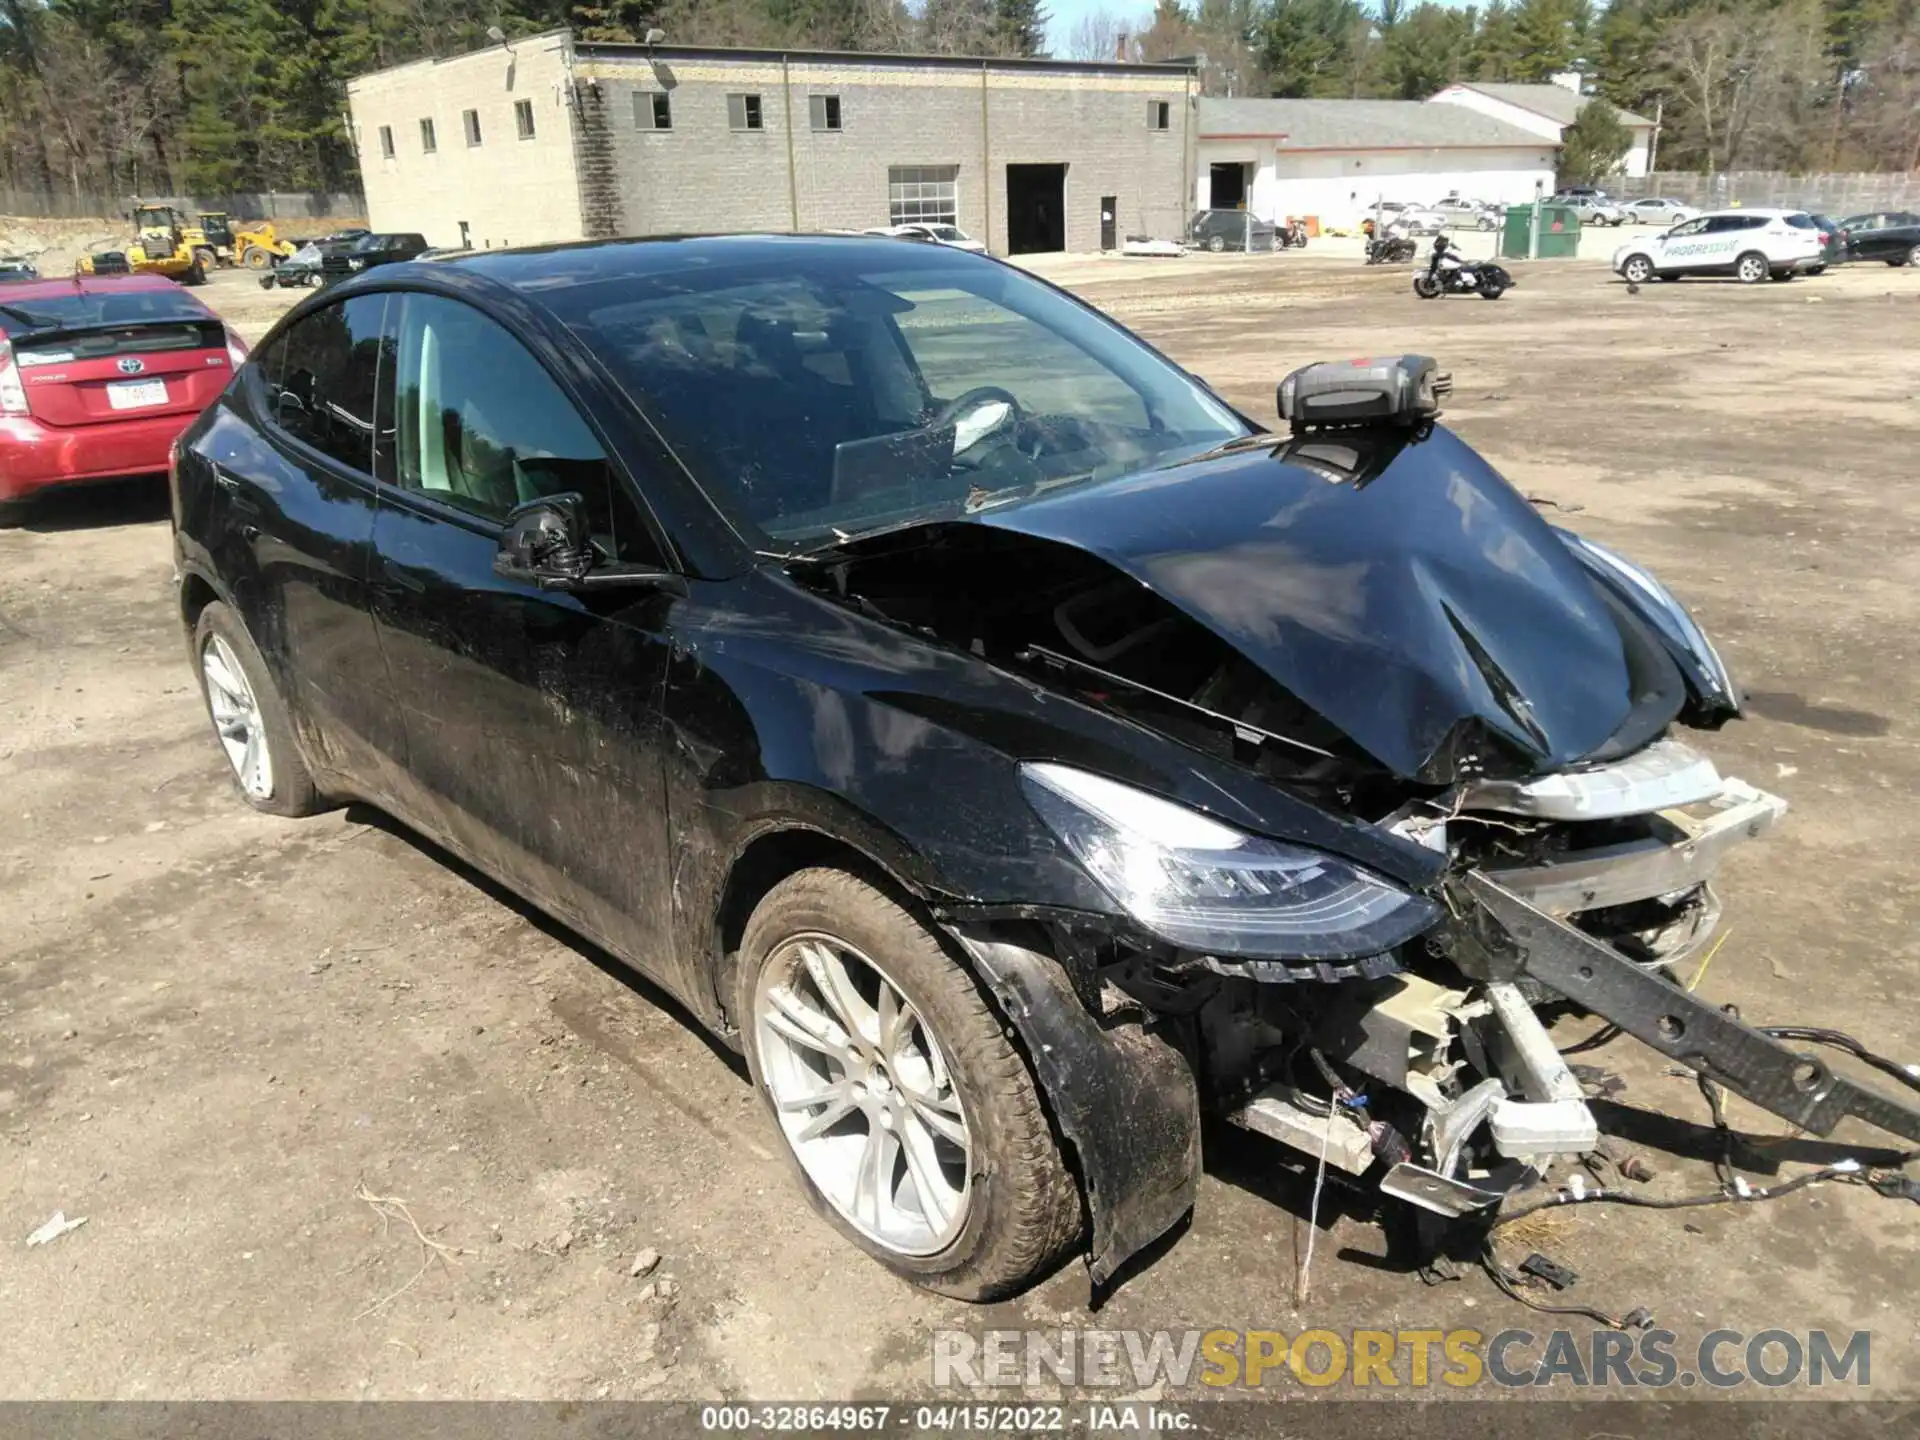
x: 164, y: 243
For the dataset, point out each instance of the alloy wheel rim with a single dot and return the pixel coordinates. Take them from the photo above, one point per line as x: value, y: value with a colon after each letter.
x: 863, y: 1095
x: 236, y: 718
x: 1750, y: 269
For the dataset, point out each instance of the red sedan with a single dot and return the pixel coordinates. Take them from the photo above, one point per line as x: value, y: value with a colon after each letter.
x: 98, y: 376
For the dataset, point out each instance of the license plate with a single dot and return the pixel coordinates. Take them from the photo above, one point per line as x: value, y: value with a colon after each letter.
x: 134, y: 394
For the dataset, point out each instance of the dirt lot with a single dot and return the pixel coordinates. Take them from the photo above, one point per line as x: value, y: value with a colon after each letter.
x: 221, y: 1034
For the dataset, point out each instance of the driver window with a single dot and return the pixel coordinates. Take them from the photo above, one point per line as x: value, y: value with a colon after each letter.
x: 479, y: 424
x: 944, y: 333
x: 1692, y: 227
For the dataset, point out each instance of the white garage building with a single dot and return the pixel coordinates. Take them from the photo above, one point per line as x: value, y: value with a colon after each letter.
x: 1334, y: 158
x: 1546, y: 111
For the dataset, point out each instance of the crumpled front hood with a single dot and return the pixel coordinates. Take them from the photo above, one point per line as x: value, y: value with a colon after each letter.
x: 1421, y: 605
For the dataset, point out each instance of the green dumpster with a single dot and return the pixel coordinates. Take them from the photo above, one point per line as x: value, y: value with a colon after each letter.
x: 1559, y: 232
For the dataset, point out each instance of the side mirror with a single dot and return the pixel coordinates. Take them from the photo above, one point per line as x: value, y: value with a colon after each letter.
x: 547, y: 543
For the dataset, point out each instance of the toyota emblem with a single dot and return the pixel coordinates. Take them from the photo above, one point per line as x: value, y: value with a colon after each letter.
x: 132, y: 365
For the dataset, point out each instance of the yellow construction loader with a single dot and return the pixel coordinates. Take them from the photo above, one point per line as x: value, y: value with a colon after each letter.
x: 164, y: 244
x: 252, y: 243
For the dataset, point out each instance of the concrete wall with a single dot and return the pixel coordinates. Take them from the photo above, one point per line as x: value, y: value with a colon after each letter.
x: 703, y: 176
x: 1339, y: 186
x: 509, y: 190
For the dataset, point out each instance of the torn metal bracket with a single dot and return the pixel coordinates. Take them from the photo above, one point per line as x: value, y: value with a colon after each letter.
x: 1796, y: 1086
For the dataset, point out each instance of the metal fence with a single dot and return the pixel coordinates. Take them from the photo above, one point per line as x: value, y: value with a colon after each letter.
x: 1835, y: 194
x: 262, y: 205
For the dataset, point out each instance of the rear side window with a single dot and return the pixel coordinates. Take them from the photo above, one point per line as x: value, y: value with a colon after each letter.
x: 321, y: 377
x: 1802, y: 222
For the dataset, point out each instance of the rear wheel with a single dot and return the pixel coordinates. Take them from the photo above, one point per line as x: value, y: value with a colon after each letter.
x: 1216, y: 243
x: 1638, y: 269
x: 1751, y: 268
x: 248, y: 718
x: 912, y: 1122
x: 1492, y: 292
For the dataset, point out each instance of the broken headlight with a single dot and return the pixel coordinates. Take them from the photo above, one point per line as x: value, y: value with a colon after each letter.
x: 1206, y: 886
x: 1679, y: 629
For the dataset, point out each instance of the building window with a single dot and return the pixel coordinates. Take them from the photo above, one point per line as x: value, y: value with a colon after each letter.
x: 743, y: 112
x: 1159, y: 115
x: 652, y: 110
x: 825, y: 110
x: 386, y: 141
x: 427, y: 145
x: 471, y: 120
x: 923, y: 194
x: 523, y: 118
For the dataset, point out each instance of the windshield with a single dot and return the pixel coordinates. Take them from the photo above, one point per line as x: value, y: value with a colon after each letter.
x: 845, y: 393
x: 84, y: 310
x: 946, y: 232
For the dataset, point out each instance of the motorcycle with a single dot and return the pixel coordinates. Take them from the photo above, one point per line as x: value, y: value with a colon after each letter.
x: 1292, y: 235
x: 1448, y: 274
x: 1391, y: 250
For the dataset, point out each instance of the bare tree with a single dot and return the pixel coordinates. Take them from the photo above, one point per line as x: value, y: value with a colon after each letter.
x: 1099, y: 35
x: 1741, y: 86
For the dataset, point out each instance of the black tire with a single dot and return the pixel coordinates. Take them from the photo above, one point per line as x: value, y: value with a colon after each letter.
x: 1216, y: 243
x: 1492, y: 292
x: 1426, y: 287
x: 1024, y: 1213
x: 196, y: 274
x: 1637, y: 270
x: 1751, y: 268
x: 1913, y: 256
x: 1818, y: 270
x: 1780, y: 276
x: 293, y: 791
x: 13, y: 513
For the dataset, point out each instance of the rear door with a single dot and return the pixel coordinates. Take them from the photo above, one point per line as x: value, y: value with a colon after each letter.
x: 133, y: 371
x: 533, y: 717
x: 291, y: 533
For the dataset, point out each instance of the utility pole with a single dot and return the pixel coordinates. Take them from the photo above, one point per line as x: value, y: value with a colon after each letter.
x: 1653, y: 140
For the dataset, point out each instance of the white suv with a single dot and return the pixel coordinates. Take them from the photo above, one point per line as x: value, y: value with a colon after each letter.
x: 1750, y: 245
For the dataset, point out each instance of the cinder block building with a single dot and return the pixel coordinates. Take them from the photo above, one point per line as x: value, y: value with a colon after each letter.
x: 550, y: 138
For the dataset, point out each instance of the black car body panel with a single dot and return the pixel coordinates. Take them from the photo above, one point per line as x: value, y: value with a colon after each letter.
x: 1890, y: 236
x: 1292, y: 637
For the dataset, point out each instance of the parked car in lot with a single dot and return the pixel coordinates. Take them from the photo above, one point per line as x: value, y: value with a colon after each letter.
x: 1419, y: 219
x: 1218, y: 230
x: 98, y: 376
x: 972, y: 719
x: 382, y: 248
x: 1833, y: 241
x: 17, y: 267
x: 1463, y: 214
x: 1656, y: 211
x: 1593, y: 207
x: 933, y: 233
x: 1751, y: 245
x: 1889, y: 235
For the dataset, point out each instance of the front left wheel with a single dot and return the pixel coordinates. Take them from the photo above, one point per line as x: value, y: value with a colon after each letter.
x: 248, y: 717
x: 913, y: 1124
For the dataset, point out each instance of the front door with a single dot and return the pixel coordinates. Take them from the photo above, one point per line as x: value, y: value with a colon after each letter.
x: 533, y: 717
x: 1109, y: 222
